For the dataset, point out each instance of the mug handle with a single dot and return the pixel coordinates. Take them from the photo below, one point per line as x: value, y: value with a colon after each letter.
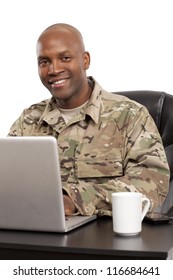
x: 146, y: 206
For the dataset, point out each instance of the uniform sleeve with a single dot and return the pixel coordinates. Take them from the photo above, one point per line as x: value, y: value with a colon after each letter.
x: 145, y: 170
x: 17, y: 128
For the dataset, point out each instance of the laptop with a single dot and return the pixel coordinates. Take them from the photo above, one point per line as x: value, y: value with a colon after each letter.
x: 30, y: 186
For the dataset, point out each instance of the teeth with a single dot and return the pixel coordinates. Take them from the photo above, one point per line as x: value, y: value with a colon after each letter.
x: 58, y: 82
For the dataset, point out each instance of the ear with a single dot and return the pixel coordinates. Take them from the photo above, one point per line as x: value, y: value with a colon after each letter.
x: 86, y: 60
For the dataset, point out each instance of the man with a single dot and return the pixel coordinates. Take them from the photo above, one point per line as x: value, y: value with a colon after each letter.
x: 106, y: 142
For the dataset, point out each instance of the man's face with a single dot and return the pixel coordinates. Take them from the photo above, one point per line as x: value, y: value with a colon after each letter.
x: 62, y: 65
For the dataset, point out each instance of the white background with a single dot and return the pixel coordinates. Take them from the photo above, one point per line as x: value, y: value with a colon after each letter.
x: 130, y: 42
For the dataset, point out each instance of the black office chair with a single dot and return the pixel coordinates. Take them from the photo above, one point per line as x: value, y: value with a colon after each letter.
x: 160, y: 107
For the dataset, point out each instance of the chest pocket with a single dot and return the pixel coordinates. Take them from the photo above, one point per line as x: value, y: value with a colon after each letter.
x: 99, y: 167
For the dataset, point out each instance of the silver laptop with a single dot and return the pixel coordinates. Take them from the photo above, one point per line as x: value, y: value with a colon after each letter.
x: 30, y: 186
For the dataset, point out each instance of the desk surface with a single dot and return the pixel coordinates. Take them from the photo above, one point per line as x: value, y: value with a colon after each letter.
x: 95, y: 240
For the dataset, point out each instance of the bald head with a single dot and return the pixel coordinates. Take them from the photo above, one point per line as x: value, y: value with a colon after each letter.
x: 67, y: 30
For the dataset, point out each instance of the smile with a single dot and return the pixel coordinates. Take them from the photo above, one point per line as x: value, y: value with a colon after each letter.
x: 58, y: 82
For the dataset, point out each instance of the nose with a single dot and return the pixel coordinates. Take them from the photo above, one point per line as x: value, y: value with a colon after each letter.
x: 55, y: 68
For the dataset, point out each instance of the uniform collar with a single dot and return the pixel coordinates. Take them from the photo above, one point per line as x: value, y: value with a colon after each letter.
x: 52, y: 114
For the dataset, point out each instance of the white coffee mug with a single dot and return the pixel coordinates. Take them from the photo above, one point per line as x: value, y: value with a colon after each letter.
x: 128, y: 211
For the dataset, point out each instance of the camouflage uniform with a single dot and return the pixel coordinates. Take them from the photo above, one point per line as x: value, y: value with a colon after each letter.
x: 111, y: 145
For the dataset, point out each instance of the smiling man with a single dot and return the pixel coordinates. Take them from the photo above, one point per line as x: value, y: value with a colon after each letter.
x: 107, y: 143
x: 62, y: 65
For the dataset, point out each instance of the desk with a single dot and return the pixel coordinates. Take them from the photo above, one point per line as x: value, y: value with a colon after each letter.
x: 95, y: 240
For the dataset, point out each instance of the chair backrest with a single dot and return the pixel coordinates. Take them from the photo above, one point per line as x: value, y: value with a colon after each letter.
x: 160, y: 107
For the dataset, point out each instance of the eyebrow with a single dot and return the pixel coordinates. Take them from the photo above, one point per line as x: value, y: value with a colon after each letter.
x: 42, y: 57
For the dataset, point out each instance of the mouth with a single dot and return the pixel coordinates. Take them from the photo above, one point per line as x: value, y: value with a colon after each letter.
x: 57, y: 83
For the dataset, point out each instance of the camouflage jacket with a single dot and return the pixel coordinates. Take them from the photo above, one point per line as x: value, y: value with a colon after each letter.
x: 111, y: 145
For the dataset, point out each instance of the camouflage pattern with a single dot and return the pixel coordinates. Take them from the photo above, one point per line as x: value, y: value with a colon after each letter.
x: 111, y: 145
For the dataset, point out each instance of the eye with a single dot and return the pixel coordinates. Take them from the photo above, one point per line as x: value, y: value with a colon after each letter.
x: 66, y: 58
x: 43, y: 62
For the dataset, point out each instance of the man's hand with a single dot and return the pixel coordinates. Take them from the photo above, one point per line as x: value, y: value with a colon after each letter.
x: 68, y: 205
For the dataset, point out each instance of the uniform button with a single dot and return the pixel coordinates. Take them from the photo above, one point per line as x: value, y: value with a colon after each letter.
x: 87, y: 209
